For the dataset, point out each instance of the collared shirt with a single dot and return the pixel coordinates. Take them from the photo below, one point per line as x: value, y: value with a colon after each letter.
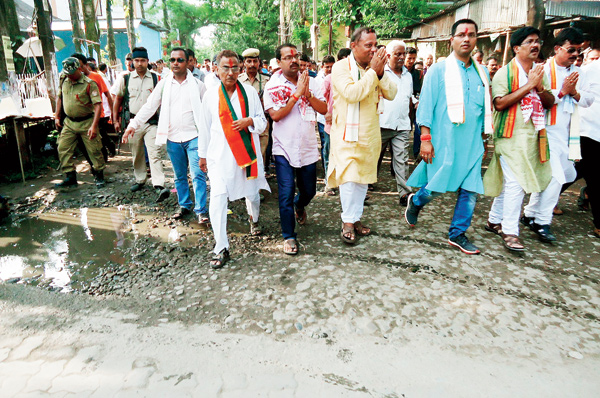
x: 140, y: 89
x: 77, y: 99
x: 395, y: 112
x: 211, y: 79
x: 417, y: 80
x: 259, y: 81
x: 198, y: 74
x: 590, y: 122
x: 293, y: 137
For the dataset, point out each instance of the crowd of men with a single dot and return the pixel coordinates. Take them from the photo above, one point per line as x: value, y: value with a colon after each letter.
x: 227, y: 119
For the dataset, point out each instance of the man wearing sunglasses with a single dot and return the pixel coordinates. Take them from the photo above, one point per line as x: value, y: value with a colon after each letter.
x: 563, y: 137
x: 179, y: 97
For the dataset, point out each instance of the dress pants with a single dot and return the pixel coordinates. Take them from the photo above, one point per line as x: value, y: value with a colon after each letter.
x: 506, y: 207
x: 305, y: 178
x: 146, y: 134
x: 590, y: 151
x: 352, y: 196
x: 399, y: 141
x: 218, y: 217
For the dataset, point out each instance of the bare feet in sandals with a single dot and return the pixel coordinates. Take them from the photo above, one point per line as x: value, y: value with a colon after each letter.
x: 348, y: 233
x: 361, y: 230
x: 290, y: 247
x: 219, y: 260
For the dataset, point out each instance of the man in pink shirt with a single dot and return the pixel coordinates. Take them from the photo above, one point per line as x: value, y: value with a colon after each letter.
x: 292, y: 99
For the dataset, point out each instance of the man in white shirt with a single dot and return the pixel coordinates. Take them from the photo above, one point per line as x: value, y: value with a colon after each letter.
x: 395, y: 121
x: 327, y: 64
x: 229, y: 150
x: 590, y: 142
x: 568, y: 99
x: 180, y: 98
x: 293, y: 99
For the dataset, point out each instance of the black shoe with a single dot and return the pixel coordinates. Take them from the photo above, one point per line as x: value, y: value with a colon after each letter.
x: 411, y: 214
x: 183, y: 212
x: 137, y: 187
x: 163, y: 193
x: 544, y: 233
x: 99, y: 179
x: 462, y: 242
x: 404, y: 200
x: 527, y: 221
x: 69, y: 181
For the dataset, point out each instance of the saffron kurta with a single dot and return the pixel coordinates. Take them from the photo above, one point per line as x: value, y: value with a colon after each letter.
x: 458, y: 147
x: 356, y: 161
x: 226, y: 177
x: 521, y: 151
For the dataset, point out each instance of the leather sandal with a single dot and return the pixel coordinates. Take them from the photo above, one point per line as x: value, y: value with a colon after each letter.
x: 301, y: 216
x: 494, y: 228
x: 290, y: 247
x: 513, y: 243
x: 348, y: 233
x: 219, y: 260
x: 254, y: 228
x: 361, y: 230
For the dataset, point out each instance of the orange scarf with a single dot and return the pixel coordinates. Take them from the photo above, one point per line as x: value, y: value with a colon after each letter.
x: 554, y: 109
x: 240, y: 142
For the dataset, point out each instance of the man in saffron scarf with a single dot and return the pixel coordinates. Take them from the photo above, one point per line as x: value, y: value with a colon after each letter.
x: 359, y: 83
x: 562, y: 124
x: 229, y: 150
x: 520, y: 163
x: 454, y: 115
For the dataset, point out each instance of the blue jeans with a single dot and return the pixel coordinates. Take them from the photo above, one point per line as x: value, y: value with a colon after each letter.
x: 463, y: 212
x: 182, y: 155
x: 306, y: 179
x: 417, y: 140
x: 324, y: 147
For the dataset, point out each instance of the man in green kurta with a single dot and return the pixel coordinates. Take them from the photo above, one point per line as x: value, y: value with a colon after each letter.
x: 79, y: 98
x: 520, y: 163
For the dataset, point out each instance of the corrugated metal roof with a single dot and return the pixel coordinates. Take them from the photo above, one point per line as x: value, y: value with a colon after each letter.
x: 587, y: 8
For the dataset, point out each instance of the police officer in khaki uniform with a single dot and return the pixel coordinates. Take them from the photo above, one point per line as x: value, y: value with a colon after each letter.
x: 79, y: 99
x: 253, y: 77
x: 131, y: 90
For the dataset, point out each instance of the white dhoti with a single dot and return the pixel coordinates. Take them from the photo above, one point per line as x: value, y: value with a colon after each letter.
x: 506, y: 207
x: 218, y: 217
x: 352, y: 196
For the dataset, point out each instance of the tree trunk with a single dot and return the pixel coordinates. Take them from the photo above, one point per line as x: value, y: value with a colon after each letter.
x: 316, y: 23
x: 165, y: 15
x: 281, y: 22
x: 77, y: 32
x: 330, y: 47
x: 92, y: 33
x: 3, y: 68
x: 47, y: 39
x: 142, y: 11
x: 129, y: 15
x: 10, y: 27
x: 536, y: 14
x: 110, y: 35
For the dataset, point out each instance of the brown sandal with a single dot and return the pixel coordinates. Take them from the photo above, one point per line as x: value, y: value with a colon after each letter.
x: 513, y: 243
x: 361, y: 230
x: 348, y: 233
x: 301, y: 216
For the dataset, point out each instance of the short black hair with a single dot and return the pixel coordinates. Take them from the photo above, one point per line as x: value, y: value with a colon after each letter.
x: 181, y: 49
x: 520, y: 35
x: 495, y: 58
x: 411, y: 50
x: 357, y: 34
x: 463, y: 21
x: 206, y: 59
x: 102, y: 67
x: 328, y: 59
x: 343, y: 53
x: 91, y: 59
x: 478, y: 52
x: 571, y: 35
x: 304, y: 57
x: 190, y: 53
x: 227, y: 54
x: 80, y: 57
x: 160, y: 61
x: 278, y: 49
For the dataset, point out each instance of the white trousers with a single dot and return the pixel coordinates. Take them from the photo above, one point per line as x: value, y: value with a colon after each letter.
x: 506, y: 207
x: 352, y: 196
x: 542, y: 203
x: 218, y: 217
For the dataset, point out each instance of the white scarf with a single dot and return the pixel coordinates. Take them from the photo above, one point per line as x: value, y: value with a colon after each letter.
x: 574, y: 133
x: 352, y: 115
x: 455, y: 96
x: 162, y: 130
x: 531, y: 104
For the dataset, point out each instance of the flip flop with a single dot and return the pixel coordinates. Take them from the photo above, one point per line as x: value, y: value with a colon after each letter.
x: 290, y: 247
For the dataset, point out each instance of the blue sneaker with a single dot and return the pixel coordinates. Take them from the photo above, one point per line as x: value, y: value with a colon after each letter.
x: 411, y: 214
x: 462, y: 242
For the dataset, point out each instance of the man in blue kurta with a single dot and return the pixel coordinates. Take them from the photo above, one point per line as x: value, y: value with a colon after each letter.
x: 454, y: 114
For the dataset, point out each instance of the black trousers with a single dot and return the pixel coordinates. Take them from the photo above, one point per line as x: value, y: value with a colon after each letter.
x: 590, y: 154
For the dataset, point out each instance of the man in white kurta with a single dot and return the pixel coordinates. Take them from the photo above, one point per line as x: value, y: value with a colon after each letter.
x: 568, y: 96
x: 228, y: 181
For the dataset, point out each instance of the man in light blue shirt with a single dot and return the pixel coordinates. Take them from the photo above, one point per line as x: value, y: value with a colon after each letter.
x: 452, y: 152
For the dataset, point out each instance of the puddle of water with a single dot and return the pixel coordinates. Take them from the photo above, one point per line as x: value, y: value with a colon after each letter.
x: 65, y: 247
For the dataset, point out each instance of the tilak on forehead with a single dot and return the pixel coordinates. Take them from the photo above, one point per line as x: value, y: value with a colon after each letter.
x: 231, y: 62
x: 294, y: 52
